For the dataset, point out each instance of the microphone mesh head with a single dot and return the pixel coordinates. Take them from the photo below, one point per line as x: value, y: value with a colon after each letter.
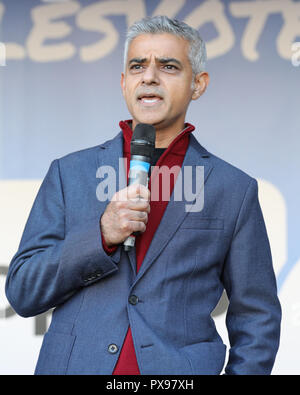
x: 143, y: 140
x: 144, y: 131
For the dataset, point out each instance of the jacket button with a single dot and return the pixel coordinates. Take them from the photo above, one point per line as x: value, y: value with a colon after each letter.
x: 133, y: 299
x: 113, y: 348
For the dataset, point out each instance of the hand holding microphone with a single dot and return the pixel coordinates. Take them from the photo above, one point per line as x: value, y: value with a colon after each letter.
x: 127, y: 213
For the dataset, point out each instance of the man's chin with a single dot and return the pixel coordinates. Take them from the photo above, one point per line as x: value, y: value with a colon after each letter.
x: 149, y: 120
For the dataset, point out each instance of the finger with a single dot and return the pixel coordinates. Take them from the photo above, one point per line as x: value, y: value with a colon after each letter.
x: 137, y: 226
x: 138, y: 216
x: 135, y: 191
x: 138, y: 191
x: 139, y: 205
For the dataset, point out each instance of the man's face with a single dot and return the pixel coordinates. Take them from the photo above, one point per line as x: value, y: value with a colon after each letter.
x: 157, y: 81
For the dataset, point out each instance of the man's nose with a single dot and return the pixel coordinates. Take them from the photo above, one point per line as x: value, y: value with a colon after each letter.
x: 150, y: 75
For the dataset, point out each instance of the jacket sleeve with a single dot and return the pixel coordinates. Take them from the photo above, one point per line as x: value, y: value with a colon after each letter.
x: 254, y: 313
x: 50, y: 264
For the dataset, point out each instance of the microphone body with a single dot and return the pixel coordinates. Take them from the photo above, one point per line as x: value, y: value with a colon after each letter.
x: 141, y: 149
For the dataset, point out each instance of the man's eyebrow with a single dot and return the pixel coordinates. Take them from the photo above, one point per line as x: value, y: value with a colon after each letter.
x: 169, y: 60
x: 137, y: 60
x: 160, y: 60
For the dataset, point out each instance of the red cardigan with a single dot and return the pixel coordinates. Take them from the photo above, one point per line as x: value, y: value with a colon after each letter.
x: 172, y: 156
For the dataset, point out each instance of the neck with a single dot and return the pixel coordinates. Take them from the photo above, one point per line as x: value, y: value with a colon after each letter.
x: 163, y: 140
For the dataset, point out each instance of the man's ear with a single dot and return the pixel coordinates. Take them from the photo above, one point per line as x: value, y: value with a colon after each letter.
x: 123, y: 82
x: 201, y: 82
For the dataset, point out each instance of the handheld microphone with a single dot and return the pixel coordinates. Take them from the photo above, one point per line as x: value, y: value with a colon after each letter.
x: 141, y: 148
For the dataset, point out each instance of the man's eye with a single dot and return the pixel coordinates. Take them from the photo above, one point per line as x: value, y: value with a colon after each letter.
x: 170, y: 67
x: 135, y: 67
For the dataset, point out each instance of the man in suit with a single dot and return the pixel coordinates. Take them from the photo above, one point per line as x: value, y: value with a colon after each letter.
x: 148, y: 311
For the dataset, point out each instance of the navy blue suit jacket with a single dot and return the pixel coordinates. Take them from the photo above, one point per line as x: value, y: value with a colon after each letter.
x: 193, y: 256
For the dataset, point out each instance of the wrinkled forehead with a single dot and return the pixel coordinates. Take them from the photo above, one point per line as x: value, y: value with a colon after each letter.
x: 159, y: 46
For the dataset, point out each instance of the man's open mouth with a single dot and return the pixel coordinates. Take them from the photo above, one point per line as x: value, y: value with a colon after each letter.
x: 149, y: 99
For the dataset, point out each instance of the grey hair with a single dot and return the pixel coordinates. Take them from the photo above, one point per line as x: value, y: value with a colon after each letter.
x: 163, y: 24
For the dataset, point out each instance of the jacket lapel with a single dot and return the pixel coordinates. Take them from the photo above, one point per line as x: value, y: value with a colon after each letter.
x: 176, y: 211
x: 111, y: 154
